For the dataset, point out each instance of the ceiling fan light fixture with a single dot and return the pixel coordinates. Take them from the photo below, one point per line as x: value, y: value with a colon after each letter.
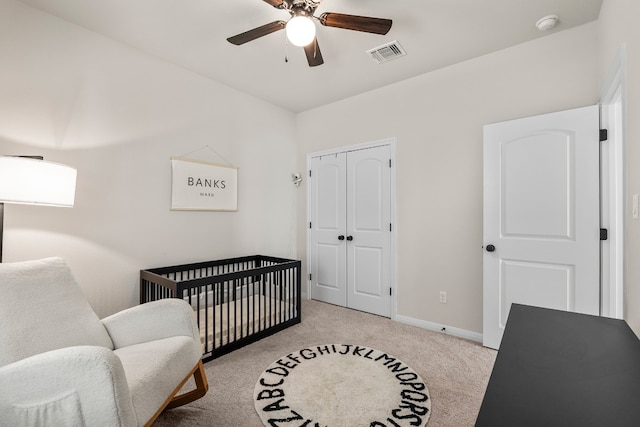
x: 301, y: 30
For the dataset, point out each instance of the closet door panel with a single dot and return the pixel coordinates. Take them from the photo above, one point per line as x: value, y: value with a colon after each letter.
x: 328, y: 223
x: 368, y: 227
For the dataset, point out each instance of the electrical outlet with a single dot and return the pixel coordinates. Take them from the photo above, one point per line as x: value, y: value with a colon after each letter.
x: 443, y: 297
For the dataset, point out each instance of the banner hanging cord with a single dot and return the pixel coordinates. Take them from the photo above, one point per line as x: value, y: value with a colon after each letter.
x: 212, y: 150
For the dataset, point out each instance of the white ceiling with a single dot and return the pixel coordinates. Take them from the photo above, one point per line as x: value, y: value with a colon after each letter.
x: 435, y: 33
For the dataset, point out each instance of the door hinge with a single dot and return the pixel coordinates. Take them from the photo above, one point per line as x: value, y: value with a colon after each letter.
x: 309, y: 173
x: 390, y: 229
x: 390, y: 291
x: 604, y: 234
x: 309, y: 276
x: 389, y: 162
x: 604, y: 134
x: 309, y: 225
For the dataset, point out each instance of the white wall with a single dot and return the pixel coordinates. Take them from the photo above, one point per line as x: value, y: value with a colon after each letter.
x: 437, y: 119
x: 619, y: 25
x: 118, y: 116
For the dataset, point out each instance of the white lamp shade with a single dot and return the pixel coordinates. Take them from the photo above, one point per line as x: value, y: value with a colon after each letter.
x: 36, y: 182
x: 301, y: 30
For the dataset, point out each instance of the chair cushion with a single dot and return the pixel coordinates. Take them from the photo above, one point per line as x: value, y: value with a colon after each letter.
x: 46, y: 310
x: 154, y: 369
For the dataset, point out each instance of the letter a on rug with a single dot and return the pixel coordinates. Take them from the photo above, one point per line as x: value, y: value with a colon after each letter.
x: 341, y: 385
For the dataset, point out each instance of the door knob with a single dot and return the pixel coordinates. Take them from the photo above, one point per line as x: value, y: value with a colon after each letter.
x: 341, y: 237
x: 349, y: 238
x: 491, y: 248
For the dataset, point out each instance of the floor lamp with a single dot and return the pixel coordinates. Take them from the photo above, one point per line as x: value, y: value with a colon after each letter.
x: 32, y: 181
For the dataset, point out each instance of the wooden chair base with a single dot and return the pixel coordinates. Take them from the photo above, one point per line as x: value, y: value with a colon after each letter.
x: 173, y: 401
x: 202, y: 386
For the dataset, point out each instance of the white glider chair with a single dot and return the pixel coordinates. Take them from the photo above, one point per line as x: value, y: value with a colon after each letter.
x: 60, y: 365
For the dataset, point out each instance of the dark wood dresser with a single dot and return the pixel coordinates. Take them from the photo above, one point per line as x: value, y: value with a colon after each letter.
x: 556, y: 368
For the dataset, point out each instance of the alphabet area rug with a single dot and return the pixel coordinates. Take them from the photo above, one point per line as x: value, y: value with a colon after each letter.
x: 341, y: 385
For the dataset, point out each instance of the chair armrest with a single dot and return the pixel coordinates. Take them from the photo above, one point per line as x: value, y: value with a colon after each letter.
x: 82, y: 385
x: 152, y: 321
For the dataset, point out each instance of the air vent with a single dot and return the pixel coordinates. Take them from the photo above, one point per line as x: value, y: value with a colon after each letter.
x: 387, y: 52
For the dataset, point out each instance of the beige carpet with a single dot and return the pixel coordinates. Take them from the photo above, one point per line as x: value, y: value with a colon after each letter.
x: 456, y: 371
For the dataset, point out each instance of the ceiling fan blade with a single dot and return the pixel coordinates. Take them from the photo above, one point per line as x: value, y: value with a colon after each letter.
x: 274, y: 3
x: 356, y: 23
x: 314, y: 56
x: 258, y: 32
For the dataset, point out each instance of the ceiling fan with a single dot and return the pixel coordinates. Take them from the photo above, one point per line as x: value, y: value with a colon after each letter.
x: 301, y: 28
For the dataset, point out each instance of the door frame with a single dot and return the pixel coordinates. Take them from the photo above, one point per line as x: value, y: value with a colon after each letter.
x: 613, y: 188
x: 391, y: 142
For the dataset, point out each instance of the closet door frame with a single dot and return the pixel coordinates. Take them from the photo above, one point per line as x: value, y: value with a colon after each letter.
x: 391, y: 143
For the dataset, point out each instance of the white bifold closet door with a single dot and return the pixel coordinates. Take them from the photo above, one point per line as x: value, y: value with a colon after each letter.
x: 350, y: 239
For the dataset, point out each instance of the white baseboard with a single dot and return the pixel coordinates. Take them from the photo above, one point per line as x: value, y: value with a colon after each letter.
x: 448, y: 330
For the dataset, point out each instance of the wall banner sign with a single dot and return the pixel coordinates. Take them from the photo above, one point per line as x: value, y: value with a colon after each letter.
x: 202, y: 186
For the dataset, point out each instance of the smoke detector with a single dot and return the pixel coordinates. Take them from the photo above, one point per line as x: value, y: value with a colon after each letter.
x: 547, y: 23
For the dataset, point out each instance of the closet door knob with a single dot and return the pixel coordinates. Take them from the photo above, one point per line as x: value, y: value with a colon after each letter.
x: 341, y: 237
x: 349, y: 238
x: 491, y: 248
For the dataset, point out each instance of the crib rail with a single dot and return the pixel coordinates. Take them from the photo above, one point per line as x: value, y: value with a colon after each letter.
x: 237, y: 301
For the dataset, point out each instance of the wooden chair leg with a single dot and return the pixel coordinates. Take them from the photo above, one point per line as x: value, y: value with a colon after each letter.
x: 202, y: 386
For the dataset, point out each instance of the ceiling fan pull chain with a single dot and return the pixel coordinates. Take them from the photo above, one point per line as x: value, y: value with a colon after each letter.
x: 286, y: 49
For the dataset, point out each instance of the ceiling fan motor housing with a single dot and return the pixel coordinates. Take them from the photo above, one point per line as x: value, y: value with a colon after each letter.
x: 300, y: 7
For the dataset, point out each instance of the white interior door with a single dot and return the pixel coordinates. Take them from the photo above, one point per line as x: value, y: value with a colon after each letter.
x: 541, y: 216
x: 350, y: 229
x: 328, y: 261
x: 368, y: 230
